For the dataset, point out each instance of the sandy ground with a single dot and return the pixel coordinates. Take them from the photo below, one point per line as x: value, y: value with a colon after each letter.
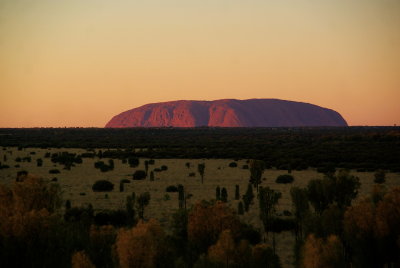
x: 76, y: 185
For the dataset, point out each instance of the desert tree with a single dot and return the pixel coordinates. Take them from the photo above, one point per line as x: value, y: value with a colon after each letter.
x: 200, y: 168
x: 256, y: 170
x: 206, y: 221
x: 181, y: 196
x: 224, y: 195
x: 223, y: 251
x: 240, y: 208
x: 380, y: 176
x: 268, y: 199
x: 248, y: 197
x: 300, y: 207
x: 218, y: 193
x: 142, y: 201
x: 323, y: 253
x: 140, y: 246
x: 237, y: 194
x: 130, y: 208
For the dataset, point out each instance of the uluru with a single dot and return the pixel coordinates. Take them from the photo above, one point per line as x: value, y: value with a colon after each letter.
x: 228, y: 113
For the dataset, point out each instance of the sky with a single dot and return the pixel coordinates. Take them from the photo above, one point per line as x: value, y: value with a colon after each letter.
x: 77, y: 63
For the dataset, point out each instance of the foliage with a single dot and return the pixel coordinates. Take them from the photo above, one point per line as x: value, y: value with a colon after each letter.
x: 141, y: 246
x: 218, y: 193
x: 319, y: 252
x: 256, y: 170
x: 379, y: 176
x: 340, y: 189
x: 102, y: 186
x: 200, y: 168
x: 372, y: 230
x: 232, y: 164
x: 248, y: 197
x: 367, y: 148
x: 224, y: 195
x: 81, y: 260
x: 268, y: 199
x: 54, y: 171
x: 171, y: 189
x: 286, y: 178
x: 240, y: 208
x: 133, y: 161
x: 142, y: 201
x: 206, y: 221
x: 139, y: 175
x: 237, y: 194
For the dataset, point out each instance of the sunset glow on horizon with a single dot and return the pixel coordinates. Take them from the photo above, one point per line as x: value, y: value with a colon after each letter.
x: 78, y: 63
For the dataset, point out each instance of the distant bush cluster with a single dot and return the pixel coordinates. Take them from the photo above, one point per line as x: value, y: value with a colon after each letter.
x: 360, y: 148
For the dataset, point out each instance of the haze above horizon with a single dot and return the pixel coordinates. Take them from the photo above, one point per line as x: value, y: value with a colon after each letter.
x: 77, y: 63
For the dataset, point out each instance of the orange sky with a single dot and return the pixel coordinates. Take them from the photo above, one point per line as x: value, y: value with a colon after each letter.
x: 79, y: 62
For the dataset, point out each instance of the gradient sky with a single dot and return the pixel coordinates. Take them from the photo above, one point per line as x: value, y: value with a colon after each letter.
x: 79, y: 62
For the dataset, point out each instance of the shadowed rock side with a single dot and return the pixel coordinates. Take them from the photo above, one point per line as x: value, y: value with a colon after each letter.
x: 228, y: 113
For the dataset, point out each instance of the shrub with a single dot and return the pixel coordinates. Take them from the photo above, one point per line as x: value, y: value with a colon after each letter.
x: 139, y: 175
x: 39, y: 162
x: 192, y: 174
x: 54, y: 171
x: 102, y: 186
x: 379, y: 176
x: 327, y: 169
x: 112, y: 217
x: 171, y: 189
x: 284, y: 179
x: 164, y: 168
x: 232, y: 164
x: 133, y: 161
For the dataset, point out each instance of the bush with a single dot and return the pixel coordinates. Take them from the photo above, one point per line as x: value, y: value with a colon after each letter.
x: 327, y: 169
x: 102, y: 186
x: 232, y: 164
x: 171, y: 189
x: 139, y: 175
x: 54, y: 171
x: 284, y: 179
x: 379, y: 176
x: 39, y: 162
x: 113, y: 217
x: 164, y: 168
x: 192, y: 174
x: 133, y: 161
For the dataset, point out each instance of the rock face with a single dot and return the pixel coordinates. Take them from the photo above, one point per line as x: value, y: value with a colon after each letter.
x: 228, y: 113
